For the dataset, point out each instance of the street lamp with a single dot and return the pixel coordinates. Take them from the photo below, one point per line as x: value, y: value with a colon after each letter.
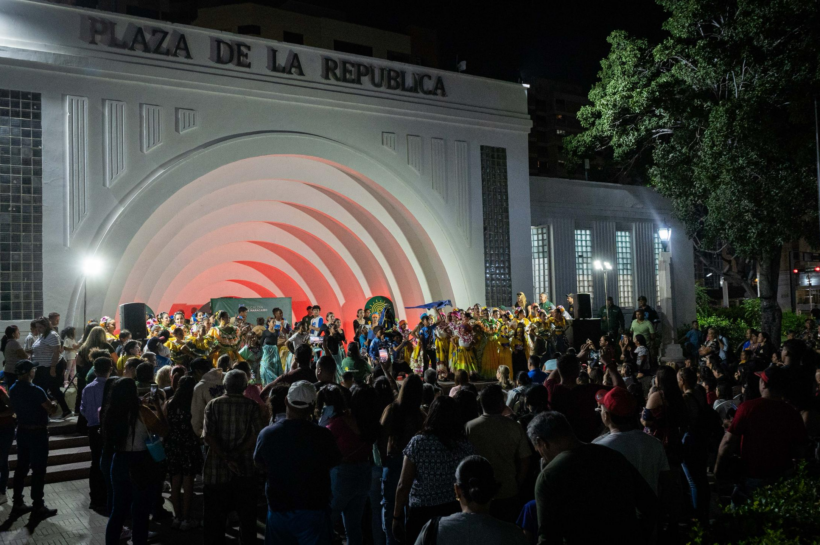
x: 605, y: 267
x: 665, y: 234
x: 92, y: 267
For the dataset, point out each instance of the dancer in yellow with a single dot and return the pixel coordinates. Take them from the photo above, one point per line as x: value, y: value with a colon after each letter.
x: 490, y: 358
x: 227, y: 338
x: 504, y: 347
x: 465, y: 358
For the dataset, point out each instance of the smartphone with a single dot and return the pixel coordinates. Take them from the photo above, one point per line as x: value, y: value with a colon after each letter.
x: 153, y: 389
x: 383, y: 355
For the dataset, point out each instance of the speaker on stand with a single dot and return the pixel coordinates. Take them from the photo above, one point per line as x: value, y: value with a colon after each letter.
x: 583, y: 306
x: 133, y: 318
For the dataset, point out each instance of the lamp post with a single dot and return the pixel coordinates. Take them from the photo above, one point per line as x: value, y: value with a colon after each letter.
x: 671, y: 349
x: 604, y: 266
x: 92, y: 266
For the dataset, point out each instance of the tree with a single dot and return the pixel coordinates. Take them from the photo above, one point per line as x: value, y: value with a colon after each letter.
x: 719, y: 118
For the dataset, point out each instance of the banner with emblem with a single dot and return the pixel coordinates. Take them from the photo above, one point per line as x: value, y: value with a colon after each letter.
x: 379, y: 311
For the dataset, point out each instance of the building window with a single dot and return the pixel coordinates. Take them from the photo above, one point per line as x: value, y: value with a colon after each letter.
x: 21, y: 206
x: 350, y: 47
x: 541, y: 260
x: 250, y: 30
x: 623, y: 258
x: 583, y: 261
x: 495, y: 200
x: 293, y: 38
x: 656, y: 240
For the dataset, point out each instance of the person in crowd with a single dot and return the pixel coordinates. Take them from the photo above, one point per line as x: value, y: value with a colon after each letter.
x: 537, y: 376
x: 475, y: 487
x: 90, y: 409
x: 401, y: 420
x: 124, y: 337
x: 8, y: 424
x: 45, y: 354
x: 430, y: 460
x: 301, y: 369
x: 764, y: 350
x: 503, y: 442
x: 130, y: 369
x: 270, y: 366
x: 145, y: 378
x: 619, y: 413
x: 12, y: 352
x: 207, y: 388
x: 276, y: 403
x: 695, y: 440
x: 131, y: 349
x: 298, y: 498
x: 332, y: 345
x: 641, y: 325
x: 325, y: 372
x: 163, y: 378
x: 347, y: 380
x: 93, y: 339
x: 462, y: 378
x: 378, y: 343
x: 503, y: 378
x: 70, y: 346
x: 575, y: 472
x: 32, y: 408
x: 183, y: 451
x: 767, y: 433
x: 612, y: 318
x: 355, y: 431
x: 136, y: 478
x: 356, y: 364
x: 230, y: 429
x: 516, y: 396
x: 666, y: 416
x: 692, y: 340
x: 725, y: 406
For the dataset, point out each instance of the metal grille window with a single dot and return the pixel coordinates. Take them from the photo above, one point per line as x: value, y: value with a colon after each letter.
x: 656, y: 239
x: 21, y: 206
x: 623, y: 256
x: 541, y: 260
x: 583, y: 260
x: 495, y: 200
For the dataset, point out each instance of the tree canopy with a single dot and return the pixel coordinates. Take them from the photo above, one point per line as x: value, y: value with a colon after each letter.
x: 719, y: 117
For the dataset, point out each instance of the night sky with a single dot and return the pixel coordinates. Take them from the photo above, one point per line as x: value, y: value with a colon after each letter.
x: 516, y: 40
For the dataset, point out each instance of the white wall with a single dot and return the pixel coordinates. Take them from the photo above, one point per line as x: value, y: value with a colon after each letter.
x: 383, y: 136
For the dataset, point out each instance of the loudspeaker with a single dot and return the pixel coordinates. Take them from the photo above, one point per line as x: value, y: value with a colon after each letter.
x: 132, y: 318
x: 585, y: 329
x: 583, y: 306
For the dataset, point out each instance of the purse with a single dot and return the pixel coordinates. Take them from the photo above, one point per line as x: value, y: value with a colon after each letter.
x: 155, y: 448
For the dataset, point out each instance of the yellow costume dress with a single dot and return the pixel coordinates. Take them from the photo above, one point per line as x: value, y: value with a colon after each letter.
x: 226, y: 338
x: 465, y: 358
x: 491, y: 359
x: 504, y: 349
x: 179, y: 354
x: 442, y: 346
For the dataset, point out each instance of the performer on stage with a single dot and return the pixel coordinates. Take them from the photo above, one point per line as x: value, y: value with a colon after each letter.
x: 465, y: 358
x: 179, y: 321
x: 227, y: 338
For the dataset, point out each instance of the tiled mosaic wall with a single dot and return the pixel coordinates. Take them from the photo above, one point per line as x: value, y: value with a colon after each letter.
x: 496, y: 226
x: 21, y: 206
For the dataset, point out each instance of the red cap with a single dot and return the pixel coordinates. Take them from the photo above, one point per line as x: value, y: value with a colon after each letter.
x: 617, y: 401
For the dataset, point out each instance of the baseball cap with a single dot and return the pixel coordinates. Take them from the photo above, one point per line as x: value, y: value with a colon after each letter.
x: 773, y: 376
x: 302, y: 394
x: 24, y: 366
x: 617, y: 401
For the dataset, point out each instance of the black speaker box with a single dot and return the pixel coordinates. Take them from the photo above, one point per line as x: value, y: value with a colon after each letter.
x: 132, y: 318
x: 583, y: 306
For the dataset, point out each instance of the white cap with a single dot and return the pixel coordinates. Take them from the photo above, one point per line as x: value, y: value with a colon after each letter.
x: 302, y: 394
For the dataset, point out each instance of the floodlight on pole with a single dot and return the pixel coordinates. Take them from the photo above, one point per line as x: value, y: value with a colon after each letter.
x: 598, y: 265
x: 92, y: 267
x: 665, y: 234
x: 607, y: 266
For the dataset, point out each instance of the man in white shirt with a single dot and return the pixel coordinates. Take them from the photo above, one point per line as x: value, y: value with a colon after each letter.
x: 619, y: 412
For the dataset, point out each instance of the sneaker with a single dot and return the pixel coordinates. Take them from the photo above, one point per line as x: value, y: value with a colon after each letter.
x: 189, y: 525
x: 176, y: 523
x: 43, y: 512
x: 20, y: 509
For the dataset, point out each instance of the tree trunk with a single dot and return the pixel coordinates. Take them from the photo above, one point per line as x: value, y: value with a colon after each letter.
x: 769, y: 279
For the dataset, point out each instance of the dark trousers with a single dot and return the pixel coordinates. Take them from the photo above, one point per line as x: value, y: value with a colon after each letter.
x: 136, y: 498
x: 6, y: 439
x: 32, y: 453
x: 81, y: 373
x: 106, y: 457
x: 417, y: 517
x: 220, y: 499
x: 430, y: 358
x: 96, y: 482
x: 51, y: 385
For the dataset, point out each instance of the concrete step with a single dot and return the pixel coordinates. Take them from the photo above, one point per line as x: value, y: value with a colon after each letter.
x: 59, y: 442
x: 61, y: 457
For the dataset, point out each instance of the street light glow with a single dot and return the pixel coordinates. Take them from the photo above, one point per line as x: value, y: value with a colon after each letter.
x: 607, y: 265
x: 92, y: 266
x: 597, y: 264
x: 665, y: 233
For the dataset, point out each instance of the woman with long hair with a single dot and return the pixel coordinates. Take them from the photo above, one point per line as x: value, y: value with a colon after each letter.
x: 356, y: 431
x: 12, y: 352
x: 665, y: 416
x: 183, y: 452
x: 135, y: 477
x: 503, y: 378
x: 461, y: 379
x: 401, y: 420
x: 520, y: 345
x: 430, y: 461
x: 107, y: 454
x: 94, y: 338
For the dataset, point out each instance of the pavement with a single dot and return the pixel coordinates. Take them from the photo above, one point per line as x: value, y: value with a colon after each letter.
x: 75, y: 523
